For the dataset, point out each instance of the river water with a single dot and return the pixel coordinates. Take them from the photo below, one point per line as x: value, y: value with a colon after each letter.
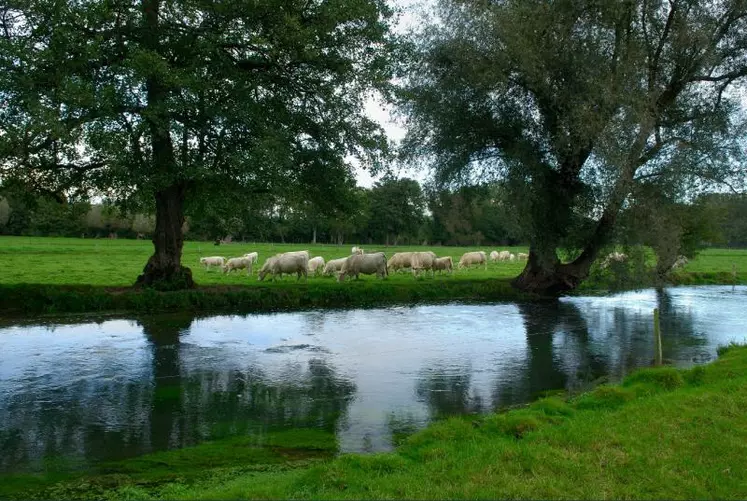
x: 93, y: 391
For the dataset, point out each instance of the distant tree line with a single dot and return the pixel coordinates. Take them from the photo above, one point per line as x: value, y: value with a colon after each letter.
x: 392, y: 212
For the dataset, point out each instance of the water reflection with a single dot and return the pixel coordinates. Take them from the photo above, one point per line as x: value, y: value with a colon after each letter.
x: 91, y: 392
x: 446, y: 391
x: 163, y: 393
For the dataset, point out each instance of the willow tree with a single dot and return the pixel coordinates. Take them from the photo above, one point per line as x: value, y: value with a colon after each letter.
x: 179, y: 99
x: 574, y: 105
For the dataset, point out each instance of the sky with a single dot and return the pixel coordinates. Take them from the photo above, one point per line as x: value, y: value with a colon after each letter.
x: 380, y: 111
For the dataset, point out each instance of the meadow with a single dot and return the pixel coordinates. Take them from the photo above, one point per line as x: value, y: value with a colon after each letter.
x: 68, y: 275
x: 73, y: 261
x: 117, y: 263
x: 663, y: 433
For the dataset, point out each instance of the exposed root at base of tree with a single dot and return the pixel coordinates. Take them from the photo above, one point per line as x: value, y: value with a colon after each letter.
x: 547, y: 282
x: 168, y: 279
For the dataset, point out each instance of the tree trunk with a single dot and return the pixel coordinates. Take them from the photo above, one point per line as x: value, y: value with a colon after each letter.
x: 313, y: 238
x: 164, y: 270
x: 544, y: 274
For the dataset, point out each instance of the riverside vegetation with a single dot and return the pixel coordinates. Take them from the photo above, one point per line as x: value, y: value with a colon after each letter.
x: 661, y: 433
x: 61, y: 275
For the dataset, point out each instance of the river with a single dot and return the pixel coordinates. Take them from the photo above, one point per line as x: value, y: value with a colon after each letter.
x: 92, y: 391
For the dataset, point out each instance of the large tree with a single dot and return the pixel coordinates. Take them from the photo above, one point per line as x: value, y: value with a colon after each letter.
x: 397, y: 206
x: 169, y: 101
x: 573, y: 104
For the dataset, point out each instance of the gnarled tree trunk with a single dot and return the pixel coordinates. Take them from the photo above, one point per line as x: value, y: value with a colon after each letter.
x: 164, y: 270
x: 544, y: 273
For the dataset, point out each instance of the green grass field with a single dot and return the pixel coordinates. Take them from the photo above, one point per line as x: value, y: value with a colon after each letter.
x: 72, y: 261
x: 67, y: 275
x: 662, y: 434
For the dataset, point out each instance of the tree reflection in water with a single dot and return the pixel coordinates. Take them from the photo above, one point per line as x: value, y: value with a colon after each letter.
x: 182, y: 394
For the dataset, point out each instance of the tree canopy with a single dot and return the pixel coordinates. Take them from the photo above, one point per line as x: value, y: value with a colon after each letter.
x: 575, y: 105
x: 171, y: 102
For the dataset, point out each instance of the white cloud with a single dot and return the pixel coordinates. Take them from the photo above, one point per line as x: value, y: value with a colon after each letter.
x: 382, y: 112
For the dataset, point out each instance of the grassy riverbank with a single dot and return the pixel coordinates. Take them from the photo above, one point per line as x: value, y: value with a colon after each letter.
x: 67, y: 275
x: 662, y: 434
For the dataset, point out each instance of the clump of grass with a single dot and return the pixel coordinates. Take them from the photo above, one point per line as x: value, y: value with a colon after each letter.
x: 724, y: 349
x: 515, y: 424
x: 604, y: 397
x: 666, y: 378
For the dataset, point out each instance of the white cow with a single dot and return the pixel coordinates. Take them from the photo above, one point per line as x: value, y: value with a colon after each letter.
x: 238, y: 263
x: 680, y: 262
x: 333, y: 265
x: 617, y: 257
x: 504, y: 255
x: 212, y: 261
x: 470, y: 258
x: 356, y: 250
x: 289, y: 262
x: 443, y: 263
x: 523, y: 256
x: 316, y: 264
x: 368, y: 264
x: 400, y: 260
x: 512, y: 257
x: 494, y: 255
x: 254, y: 256
x: 423, y: 261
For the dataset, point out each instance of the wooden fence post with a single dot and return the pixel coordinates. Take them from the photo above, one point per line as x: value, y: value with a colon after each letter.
x: 657, y: 339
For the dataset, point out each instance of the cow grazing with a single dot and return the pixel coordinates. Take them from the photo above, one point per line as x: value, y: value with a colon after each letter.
x: 316, y: 265
x: 400, y: 260
x: 238, y: 263
x: 443, y: 264
x: 471, y: 258
x: 368, y: 264
x: 207, y: 262
x: 423, y: 261
x: 333, y: 266
x: 289, y: 262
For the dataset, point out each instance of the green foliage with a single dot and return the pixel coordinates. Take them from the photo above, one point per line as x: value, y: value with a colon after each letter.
x: 472, y: 214
x: 159, y: 105
x: 554, y: 100
x: 396, y: 207
x: 730, y: 212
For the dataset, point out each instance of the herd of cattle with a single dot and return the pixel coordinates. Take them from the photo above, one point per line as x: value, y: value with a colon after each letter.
x: 359, y: 262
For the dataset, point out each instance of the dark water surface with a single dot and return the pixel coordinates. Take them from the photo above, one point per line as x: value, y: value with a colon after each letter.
x: 96, y: 391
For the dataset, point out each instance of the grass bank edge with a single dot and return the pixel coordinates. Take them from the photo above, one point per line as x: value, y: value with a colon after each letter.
x: 24, y: 299
x: 639, y: 439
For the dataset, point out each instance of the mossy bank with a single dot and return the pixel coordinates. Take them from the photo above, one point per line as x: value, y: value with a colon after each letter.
x: 17, y: 300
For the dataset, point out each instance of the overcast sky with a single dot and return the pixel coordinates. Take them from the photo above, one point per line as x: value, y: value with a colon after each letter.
x: 381, y: 113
